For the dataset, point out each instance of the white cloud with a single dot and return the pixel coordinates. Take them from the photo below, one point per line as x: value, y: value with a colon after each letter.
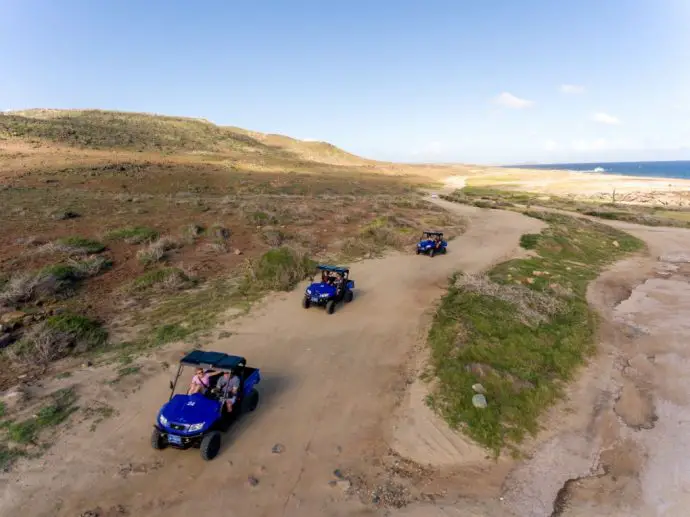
x: 572, y: 88
x: 605, y: 118
x: 509, y: 100
x: 551, y: 145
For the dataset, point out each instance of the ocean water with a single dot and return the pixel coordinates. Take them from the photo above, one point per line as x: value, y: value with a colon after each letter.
x: 675, y: 169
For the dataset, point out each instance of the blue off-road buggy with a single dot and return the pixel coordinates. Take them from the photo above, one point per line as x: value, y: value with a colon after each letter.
x: 197, y: 420
x: 431, y: 243
x: 335, y: 286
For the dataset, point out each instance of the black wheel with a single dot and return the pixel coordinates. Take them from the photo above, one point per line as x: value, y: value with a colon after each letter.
x: 250, y: 402
x: 210, y: 445
x: 432, y: 252
x: 418, y: 252
x: 444, y: 250
x: 306, y: 303
x: 349, y: 296
x: 157, y: 441
x: 330, y: 306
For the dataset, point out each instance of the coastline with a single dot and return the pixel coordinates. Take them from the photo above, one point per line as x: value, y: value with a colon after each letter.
x: 586, y: 185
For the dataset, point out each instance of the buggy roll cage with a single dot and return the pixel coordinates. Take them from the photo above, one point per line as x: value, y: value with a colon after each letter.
x: 209, y: 361
x: 345, y: 271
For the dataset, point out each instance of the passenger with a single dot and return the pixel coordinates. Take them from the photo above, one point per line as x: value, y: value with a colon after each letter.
x: 228, y: 386
x: 437, y: 242
x: 201, y: 381
x: 338, y: 282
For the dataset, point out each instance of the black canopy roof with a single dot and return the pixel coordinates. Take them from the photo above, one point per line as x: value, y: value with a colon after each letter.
x: 215, y: 360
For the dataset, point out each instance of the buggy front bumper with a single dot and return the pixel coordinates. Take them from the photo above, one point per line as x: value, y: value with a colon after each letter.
x: 317, y: 300
x: 179, y: 441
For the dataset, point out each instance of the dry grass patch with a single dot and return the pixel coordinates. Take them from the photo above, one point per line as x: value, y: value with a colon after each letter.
x: 157, y: 250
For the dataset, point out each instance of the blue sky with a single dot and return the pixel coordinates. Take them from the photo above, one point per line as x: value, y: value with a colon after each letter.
x: 491, y: 81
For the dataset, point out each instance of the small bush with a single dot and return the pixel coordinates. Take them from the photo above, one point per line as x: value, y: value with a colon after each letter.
x: 279, y: 269
x: 157, y: 250
x: 89, y: 267
x: 168, y: 334
x: 168, y: 278
x: 51, y: 282
x: 8, y: 455
x: 79, y: 245
x: 133, y: 235
x: 56, y: 338
x: 191, y: 232
x: 529, y: 241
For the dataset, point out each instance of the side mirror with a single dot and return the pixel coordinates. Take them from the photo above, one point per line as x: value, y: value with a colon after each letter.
x: 172, y: 386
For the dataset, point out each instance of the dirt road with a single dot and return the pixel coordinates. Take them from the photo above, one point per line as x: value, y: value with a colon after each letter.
x: 330, y: 385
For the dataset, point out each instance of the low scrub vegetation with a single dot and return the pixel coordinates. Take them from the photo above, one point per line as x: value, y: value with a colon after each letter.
x: 157, y: 250
x: 521, y: 331
x: 56, y: 338
x: 163, y: 279
x: 79, y: 245
x: 51, y: 282
x: 133, y: 235
x: 279, y: 269
x: 18, y: 437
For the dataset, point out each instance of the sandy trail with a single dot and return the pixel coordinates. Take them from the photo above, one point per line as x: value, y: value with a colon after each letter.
x: 330, y: 385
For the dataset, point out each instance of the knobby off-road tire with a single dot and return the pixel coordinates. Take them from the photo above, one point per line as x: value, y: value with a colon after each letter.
x: 349, y: 296
x: 306, y: 303
x: 210, y: 445
x: 157, y: 440
x: 251, y: 401
x: 330, y: 307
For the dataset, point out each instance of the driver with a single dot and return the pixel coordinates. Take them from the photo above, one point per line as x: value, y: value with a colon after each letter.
x: 437, y: 241
x: 228, y: 386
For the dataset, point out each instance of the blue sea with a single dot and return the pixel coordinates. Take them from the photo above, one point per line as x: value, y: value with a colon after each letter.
x: 674, y: 169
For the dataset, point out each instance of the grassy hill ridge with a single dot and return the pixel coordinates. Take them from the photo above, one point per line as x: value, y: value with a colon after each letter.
x: 115, y: 130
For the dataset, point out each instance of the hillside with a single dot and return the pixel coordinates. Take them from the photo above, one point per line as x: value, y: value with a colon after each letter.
x: 111, y: 130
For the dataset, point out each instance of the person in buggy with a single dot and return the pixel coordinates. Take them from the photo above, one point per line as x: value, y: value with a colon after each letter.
x: 226, y: 389
x: 201, y: 382
x: 437, y: 242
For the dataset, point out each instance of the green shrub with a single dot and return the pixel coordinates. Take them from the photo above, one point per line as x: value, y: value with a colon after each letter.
x: 80, y: 245
x: 279, y: 269
x: 529, y: 241
x: 166, y: 278
x: 55, y: 338
x: 133, y: 235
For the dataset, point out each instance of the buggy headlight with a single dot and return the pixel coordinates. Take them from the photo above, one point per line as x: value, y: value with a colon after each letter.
x: 163, y: 420
x: 324, y: 295
x: 196, y: 427
x: 308, y: 291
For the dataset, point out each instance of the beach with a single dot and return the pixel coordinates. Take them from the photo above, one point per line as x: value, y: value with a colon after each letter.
x: 583, y: 185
